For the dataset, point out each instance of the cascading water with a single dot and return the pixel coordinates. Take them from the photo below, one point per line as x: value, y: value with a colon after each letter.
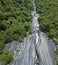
x: 36, y: 49
x: 44, y: 48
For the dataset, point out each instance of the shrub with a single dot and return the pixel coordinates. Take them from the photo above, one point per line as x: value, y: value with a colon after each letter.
x: 6, y: 57
x: 2, y: 45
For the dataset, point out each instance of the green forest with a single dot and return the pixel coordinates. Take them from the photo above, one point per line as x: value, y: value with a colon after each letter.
x: 48, y: 20
x: 15, y: 22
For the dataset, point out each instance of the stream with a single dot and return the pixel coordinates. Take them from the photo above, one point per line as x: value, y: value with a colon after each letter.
x: 36, y: 48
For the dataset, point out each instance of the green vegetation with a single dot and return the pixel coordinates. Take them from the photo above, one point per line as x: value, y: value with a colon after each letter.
x: 15, y: 22
x: 2, y: 45
x: 48, y: 20
x: 48, y: 10
x: 6, y: 57
x: 15, y: 19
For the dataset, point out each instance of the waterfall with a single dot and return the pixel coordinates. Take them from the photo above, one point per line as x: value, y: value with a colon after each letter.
x: 35, y: 49
x: 45, y: 49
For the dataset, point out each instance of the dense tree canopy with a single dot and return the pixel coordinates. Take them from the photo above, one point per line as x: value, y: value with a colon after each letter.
x: 15, y: 18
